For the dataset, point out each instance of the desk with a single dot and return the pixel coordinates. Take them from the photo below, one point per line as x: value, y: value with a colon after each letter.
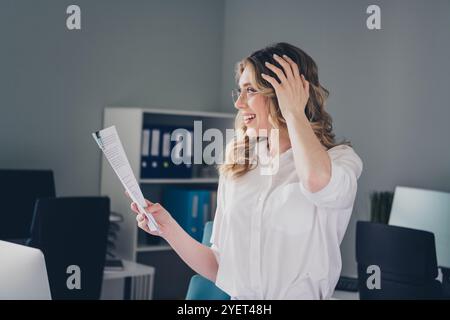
x: 134, y: 282
x: 345, y: 295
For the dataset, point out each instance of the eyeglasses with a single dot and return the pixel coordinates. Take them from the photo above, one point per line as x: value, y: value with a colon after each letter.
x: 247, y: 93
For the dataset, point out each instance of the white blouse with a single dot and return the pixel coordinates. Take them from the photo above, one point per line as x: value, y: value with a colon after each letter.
x: 273, y: 239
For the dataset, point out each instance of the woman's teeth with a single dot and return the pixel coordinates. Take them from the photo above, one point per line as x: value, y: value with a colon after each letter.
x: 248, y: 118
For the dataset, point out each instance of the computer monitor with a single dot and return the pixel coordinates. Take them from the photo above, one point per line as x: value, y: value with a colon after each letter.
x: 424, y: 210
x: 19, y: 190
x: 23, y: 275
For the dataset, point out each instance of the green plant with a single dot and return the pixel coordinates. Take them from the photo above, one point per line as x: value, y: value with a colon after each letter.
x: 380, y: 206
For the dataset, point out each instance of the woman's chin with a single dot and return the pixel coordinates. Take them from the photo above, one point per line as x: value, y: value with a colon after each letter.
x: 252, y: 131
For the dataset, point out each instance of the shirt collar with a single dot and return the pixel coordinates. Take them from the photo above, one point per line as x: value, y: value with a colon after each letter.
x: 264, y: 155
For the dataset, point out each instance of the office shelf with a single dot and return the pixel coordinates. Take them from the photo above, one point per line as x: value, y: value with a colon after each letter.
x: 146, y: 248
x: 130, y: 243
x: 129, y: 122
x: 180, y: 181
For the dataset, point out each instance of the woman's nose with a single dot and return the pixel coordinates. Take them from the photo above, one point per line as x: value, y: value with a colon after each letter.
x: 239, y: 104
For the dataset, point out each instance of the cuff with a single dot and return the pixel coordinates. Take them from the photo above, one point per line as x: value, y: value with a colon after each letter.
x: 324, y: 194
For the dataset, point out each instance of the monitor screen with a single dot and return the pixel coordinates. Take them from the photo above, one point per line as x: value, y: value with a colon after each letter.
x: 19, y: 190
x: 424, y: 210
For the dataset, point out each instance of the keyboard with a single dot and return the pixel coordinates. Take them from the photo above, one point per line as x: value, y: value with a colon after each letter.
x: 347, y: 284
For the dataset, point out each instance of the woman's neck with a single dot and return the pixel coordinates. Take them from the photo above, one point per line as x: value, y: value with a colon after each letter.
x: 283, y: 144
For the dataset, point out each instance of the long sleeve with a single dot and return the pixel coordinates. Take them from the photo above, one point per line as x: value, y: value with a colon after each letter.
x: 218, y: 217
x: 340, y: 192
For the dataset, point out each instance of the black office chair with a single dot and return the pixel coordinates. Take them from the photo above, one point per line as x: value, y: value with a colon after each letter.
x: 19, y: 190
x: 406, y: 258
x: 72, y: 231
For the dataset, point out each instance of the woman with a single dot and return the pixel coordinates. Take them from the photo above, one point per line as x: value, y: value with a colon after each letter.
x: 276, y: 236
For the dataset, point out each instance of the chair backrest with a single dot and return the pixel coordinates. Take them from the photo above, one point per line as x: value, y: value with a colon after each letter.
x: 207, y: 231
x: 19, y: 190
x: 72, y: 232
x: 406, y: 258
x: 201, y: 288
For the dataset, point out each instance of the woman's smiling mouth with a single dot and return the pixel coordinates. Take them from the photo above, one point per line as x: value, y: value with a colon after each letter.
x: 249, y: 117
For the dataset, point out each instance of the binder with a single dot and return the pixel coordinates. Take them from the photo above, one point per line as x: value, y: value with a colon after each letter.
x: 199, y: 213
x: 205, y: 208
x: 183, y: 170
x: 157, y: 153
x: 190, y: 208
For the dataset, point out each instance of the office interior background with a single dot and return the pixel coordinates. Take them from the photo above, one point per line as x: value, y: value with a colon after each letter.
x: 388, y: 87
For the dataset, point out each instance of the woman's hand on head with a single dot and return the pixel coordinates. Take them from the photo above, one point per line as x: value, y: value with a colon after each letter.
x: 161, y: 216
x: 293, y: 90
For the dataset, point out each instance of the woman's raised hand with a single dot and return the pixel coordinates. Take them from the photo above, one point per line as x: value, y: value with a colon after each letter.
x: 293, y: 90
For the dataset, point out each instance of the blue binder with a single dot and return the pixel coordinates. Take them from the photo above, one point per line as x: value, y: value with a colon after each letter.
x: 199, y: 213
x: 190, y: 208
x: 156, y: 154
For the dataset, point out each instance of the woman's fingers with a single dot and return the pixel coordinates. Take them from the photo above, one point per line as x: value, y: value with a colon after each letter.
x: 305, y: 86
x: 286, y: 66
x: 140, y: 217
x: 271, y: 80
x: 280, y: 74
x: 294, y: 66
x: 134, y: 207
x: 153, y: 208
x: 143, y: 226
x: 142, y: 222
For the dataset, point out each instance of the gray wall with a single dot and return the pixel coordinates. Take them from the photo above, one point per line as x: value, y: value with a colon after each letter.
x: 389, y: 88
x: 54, y: 83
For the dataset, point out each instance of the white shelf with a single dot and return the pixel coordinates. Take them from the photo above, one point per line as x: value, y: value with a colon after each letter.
x: 131, y: 269
x: 209, y: 114
x: 187, y: 181
x: 153, y: 248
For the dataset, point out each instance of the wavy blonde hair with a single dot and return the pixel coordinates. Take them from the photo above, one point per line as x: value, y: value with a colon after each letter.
x: 238, y: 159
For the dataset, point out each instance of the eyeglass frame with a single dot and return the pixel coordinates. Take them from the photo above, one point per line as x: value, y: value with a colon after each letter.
x: 237, y: 92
